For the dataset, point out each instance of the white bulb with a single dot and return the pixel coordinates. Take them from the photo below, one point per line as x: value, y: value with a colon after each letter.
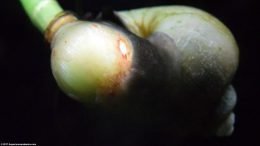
x: 90, y: 59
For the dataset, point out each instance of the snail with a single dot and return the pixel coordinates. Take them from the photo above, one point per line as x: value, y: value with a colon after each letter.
x: 177, y: 57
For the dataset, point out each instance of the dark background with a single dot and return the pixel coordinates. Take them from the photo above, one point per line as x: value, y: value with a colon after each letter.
x: 34, y: 110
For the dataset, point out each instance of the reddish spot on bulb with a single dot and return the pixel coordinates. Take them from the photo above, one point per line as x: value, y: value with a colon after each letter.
x: 123, y: 49
x: 95, y: 25
x: 115, y: 84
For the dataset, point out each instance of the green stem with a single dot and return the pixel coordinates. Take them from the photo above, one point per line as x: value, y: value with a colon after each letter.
x: 41, y: 12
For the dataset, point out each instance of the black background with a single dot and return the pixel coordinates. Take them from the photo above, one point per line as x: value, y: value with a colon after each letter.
x: 34, y: 110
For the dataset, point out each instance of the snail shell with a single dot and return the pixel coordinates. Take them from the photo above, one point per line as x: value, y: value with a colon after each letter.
x: 207, y: 51
x: 204, y: 59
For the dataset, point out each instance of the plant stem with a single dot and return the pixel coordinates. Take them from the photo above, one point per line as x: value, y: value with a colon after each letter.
x: 41, y: 12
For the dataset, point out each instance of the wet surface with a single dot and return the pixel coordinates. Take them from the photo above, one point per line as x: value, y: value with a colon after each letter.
x: 34, y: 110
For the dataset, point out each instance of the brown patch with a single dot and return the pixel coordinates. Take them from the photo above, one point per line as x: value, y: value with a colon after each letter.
x: 94, y: 25
x: 113, y: 85
x: 112, y: 88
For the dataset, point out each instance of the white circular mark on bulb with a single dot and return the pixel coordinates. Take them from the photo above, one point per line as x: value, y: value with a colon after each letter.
x: 122, y: 47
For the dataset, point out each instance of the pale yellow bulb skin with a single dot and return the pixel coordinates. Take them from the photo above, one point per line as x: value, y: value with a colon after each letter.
x: 90, y: 60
